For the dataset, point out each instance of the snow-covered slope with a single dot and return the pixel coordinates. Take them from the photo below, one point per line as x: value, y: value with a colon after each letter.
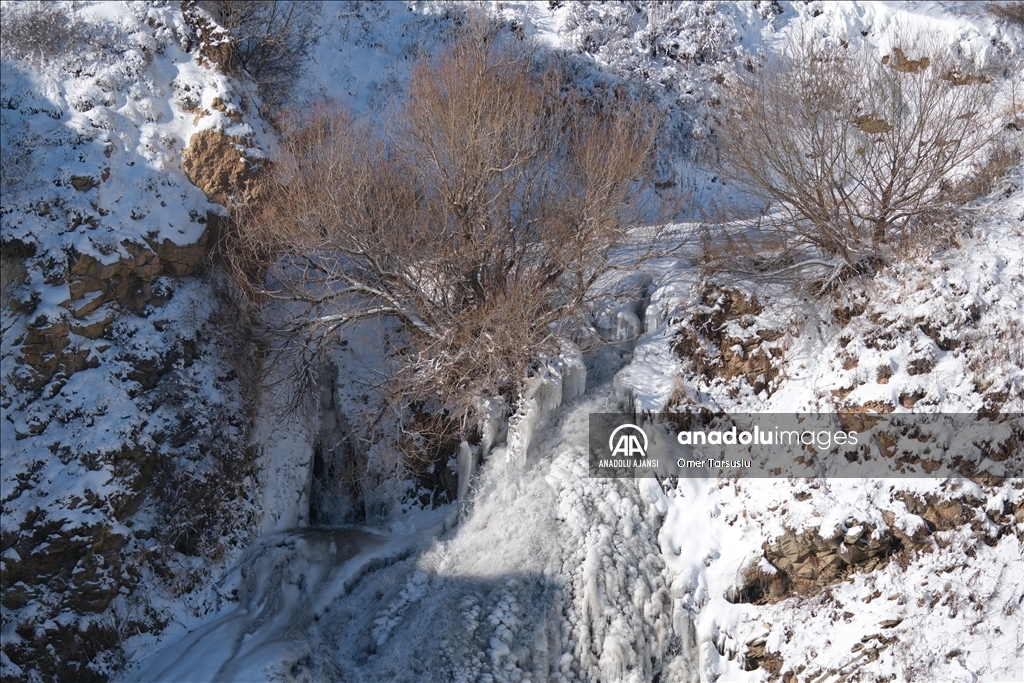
x: 124, y: 436
x: 554, y: 575
x: 549, y: 574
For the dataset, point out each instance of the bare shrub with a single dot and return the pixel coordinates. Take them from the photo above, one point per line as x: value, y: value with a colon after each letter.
x: 1012, y: 12
x: 854, y: 155
x: 991, y: 168
x: 271, y: 41
x: 37, y: 31
x: 480, y: 221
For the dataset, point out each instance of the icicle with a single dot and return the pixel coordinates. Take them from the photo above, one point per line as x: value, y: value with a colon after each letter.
x: 520, y: 430
x: 493, y: 426
x: 467, y: 467
x: 573, y: 372
x: 627, y: 323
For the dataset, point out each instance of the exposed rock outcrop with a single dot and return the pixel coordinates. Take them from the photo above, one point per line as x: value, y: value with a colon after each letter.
x: 47, y: 348
x: 722, y: 337
x: 215, y: 163
x: 807, y: 562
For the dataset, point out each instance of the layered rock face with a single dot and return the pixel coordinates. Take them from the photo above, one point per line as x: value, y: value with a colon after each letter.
x: 127, y: 284
x: 124, y: 424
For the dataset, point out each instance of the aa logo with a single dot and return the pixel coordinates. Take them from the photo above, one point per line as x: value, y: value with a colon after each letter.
x: 625, y: 441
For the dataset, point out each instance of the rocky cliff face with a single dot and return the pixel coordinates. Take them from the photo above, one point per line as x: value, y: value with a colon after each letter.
x: 126, y: 284
x: 125, y: 426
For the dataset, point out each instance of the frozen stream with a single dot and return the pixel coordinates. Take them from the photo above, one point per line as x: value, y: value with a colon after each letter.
x: 550, y: 576
x: 280, y: 585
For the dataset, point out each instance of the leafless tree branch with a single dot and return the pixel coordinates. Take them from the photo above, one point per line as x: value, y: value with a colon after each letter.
x: 481, y: 220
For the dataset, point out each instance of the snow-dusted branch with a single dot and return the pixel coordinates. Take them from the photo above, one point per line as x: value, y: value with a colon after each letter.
x: 479, y: 222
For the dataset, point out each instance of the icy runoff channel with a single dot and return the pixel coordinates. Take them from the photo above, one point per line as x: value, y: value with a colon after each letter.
x: 551, y: 576
x: 277, y: 588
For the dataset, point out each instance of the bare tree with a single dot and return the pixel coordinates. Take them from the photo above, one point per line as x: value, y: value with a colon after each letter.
x: 481, y: 220
x: 853, y: 153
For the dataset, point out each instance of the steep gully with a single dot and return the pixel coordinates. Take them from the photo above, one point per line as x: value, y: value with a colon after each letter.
x: 548, y: 575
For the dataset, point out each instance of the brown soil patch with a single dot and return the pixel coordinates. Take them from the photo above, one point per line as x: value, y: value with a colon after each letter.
x: 900, y: 62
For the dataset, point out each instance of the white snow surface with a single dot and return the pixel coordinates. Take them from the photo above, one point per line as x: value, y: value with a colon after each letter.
x: 553, y: 575
x: 549, y: 574
x: 118, y: 109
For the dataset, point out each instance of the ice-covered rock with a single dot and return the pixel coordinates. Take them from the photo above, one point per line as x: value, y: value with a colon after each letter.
x: 620, y: 315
